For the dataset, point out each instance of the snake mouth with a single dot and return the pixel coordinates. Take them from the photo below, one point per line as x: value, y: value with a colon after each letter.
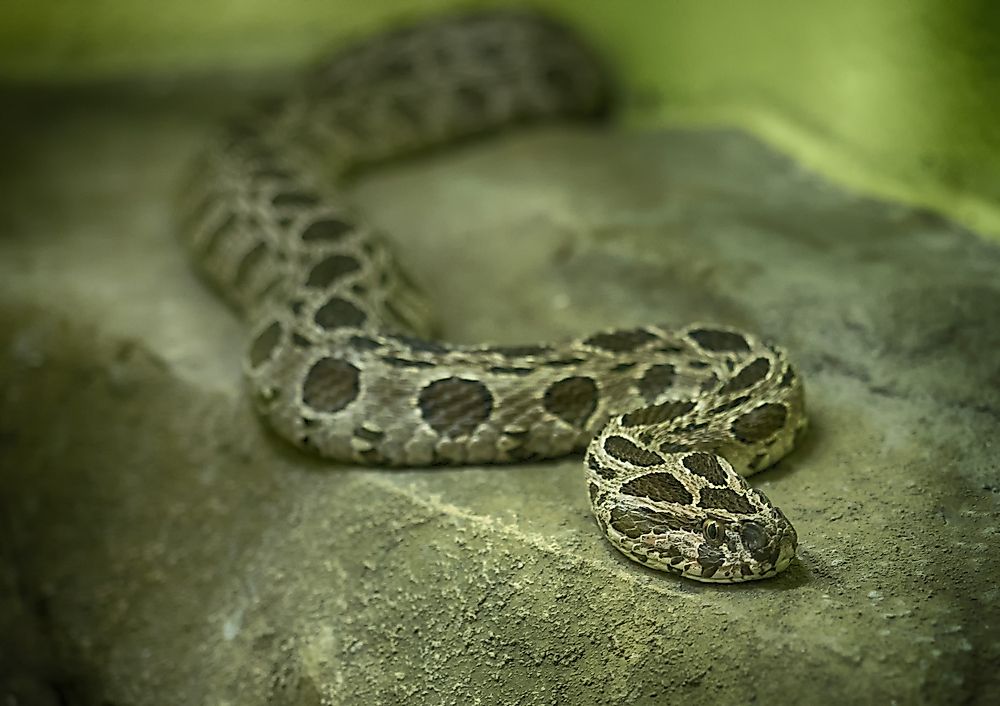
x: 787, y: 546
x: 786, y: 552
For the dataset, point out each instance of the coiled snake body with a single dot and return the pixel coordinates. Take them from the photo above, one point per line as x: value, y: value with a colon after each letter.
x: 341, y: 362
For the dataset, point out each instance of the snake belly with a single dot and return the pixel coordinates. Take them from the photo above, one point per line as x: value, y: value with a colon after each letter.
x: 341, y: 361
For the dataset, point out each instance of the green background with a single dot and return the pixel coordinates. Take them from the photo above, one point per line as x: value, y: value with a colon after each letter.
x: 899, y: 98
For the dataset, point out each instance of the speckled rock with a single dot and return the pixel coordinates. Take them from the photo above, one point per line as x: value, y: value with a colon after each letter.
x: 160, y: 547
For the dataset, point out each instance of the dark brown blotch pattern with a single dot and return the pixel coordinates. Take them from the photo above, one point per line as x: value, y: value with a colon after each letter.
x: 572, y: 400
x: 326, y: 230
x: 656, y: 380
x: 621, y: 341
x: 264, y: 344
x: 724, y: 499
x: 363, y: 343
x: 660, y: 487
x: 730, y: 405
x: 624, y: 450
x: 720, y: 341
x: 633, y: 522
x: 750, y: 375
x: 295, y: 198
x: 330, y: 385
x: 563, y: 362
x: 657, y: 414
x: 519, y: 351
x: 707, y: 466
x: 760, y: 423
x: 331, y: 268
x: 337, y: 313
x: 672, y: 447
x: 454, y: 406
x: 399, y: 362
x: 507, y: 370
x: 271, y: 172
x: 249, y: 263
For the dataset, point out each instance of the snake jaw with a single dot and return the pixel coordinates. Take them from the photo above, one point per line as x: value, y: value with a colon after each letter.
x: 786, y: 550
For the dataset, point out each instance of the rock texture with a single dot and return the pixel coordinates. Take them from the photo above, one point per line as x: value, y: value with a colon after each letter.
x: 160, y: 547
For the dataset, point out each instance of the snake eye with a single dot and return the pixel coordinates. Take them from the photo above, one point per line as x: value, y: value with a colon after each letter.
x: 711, y: 530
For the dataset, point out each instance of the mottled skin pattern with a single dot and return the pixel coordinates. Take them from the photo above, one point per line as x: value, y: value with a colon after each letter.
x: 341, y: 361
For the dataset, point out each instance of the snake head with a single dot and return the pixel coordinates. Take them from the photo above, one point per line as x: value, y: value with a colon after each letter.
x: 719, y: 548
x: 704, y: 526
x: 742, y: 549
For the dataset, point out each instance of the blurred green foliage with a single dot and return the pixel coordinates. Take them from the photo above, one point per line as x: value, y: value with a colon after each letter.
x: 899, y: 98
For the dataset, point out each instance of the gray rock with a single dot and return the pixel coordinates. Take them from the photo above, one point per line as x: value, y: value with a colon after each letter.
x: 161, y: 547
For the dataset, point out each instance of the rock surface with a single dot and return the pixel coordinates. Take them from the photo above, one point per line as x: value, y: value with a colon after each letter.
x: 160, y: 547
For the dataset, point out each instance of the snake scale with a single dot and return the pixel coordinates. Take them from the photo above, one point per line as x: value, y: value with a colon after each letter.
x: 342, y: 362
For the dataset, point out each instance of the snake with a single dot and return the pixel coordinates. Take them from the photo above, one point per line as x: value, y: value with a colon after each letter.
x: 343, y: 360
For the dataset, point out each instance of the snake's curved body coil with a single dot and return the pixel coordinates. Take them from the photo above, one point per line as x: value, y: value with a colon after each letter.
x: 341, y: 362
